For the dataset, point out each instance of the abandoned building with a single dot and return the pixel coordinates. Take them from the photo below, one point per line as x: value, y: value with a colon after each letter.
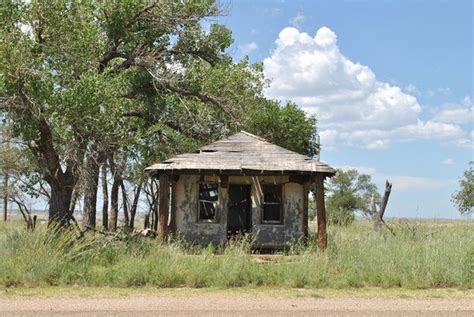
x: 241, y: 184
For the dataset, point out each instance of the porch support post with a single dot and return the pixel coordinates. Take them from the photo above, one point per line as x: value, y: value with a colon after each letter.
x: 320, y: 213
x: 164, y: 207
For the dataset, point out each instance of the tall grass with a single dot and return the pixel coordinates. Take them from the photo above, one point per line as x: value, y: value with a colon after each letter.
x: 417, y: 256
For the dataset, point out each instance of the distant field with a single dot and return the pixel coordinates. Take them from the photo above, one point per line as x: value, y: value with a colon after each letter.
x: 419, y: 255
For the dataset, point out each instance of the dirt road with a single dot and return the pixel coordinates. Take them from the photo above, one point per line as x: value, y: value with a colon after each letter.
x: 218, y: 305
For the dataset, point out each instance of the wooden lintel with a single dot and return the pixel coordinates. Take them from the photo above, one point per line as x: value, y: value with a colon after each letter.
x: 224, y: 181
x: 300, y: 179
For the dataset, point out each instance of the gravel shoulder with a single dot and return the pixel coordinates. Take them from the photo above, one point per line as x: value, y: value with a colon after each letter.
x: 217, y: 305
x: 240, y: 302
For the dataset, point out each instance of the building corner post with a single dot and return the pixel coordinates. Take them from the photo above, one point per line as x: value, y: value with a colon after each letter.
x: 321, y: 213
x: 164, y: 207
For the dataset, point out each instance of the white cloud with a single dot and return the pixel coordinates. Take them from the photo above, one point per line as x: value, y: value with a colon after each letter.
x: 412, y: 89
x: 410, y: 183
x: 248, y: 47
x: 467, y: 143
x: 401, y: 183
x: 352, y: 106
x: 297, y: 20
x: 360, y: 169
x: 456, y: 113
x: 448, y: 161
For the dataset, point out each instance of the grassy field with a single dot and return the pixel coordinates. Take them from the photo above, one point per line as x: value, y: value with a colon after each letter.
x: 420, y: 255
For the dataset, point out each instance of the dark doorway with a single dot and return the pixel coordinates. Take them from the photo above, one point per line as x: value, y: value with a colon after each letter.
x: 239, y: 216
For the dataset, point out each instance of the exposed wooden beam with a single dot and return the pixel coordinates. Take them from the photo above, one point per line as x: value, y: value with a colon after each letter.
x: 224, y: 181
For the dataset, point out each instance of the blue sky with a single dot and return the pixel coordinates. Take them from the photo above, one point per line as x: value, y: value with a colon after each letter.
x: 391, y: 84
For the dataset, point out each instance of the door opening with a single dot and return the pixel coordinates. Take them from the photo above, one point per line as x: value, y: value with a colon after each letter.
x: 239, y: 216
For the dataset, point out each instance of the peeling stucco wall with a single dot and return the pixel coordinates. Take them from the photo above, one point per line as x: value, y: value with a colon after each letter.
x: 187, y: 224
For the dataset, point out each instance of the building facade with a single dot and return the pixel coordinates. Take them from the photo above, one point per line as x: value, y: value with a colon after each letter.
x: 241, y: 184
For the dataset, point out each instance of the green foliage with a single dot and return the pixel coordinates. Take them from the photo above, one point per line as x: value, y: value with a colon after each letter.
x: 340, y: 208
x: 419, y: 255
x: 349, y: 192
x: 464, y: 197
x: 287, y: 126
x: 138, y: 78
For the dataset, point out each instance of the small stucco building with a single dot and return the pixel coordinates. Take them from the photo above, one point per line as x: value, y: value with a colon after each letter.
x: 241, y: 184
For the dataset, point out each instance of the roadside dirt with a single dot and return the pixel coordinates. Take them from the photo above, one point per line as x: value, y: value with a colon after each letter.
x: 218, y: 305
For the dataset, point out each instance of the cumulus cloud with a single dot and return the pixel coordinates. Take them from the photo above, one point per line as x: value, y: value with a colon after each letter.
x: 352, y: 106
x: 456, y: 113
x: 248, y: 47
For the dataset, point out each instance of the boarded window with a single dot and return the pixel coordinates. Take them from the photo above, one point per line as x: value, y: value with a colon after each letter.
x: 208, y: 196
x: 272, y: 211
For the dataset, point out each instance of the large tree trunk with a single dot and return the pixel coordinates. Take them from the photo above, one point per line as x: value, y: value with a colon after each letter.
x: 91, y: 183
x: 133, y: 210
x: 105, y: 197
x: 61, y: 182
x: 377, y: 216
x: 125, y: 206
x: 59, y: 204
x: 114, y: 205
x: 114, y: 193
x: 6, y: 177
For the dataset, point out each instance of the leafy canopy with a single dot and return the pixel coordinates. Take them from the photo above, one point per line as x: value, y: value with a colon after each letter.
x: 136, y: 77
x: 349, y: 192
x: 464, y: 197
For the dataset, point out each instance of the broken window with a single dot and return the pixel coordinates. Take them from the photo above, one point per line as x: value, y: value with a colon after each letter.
x: 208, y: 196
x: 272, y: 211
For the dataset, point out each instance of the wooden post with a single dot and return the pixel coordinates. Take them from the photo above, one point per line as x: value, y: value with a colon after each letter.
x: 174, y: 206
x: 164, y: 207
x: 321, y: 213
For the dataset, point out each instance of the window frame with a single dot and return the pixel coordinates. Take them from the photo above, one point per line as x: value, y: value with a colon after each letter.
x: 216, y: 215
x: 262, y: 218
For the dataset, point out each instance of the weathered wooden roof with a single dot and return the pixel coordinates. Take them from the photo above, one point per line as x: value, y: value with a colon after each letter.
x: 242, y: 153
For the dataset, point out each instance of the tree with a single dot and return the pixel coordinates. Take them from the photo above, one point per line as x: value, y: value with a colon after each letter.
x: 76, y: 78
x: 287, y: 126
x: 92, y: 83
x: 464, y: 197
x: 349, y: 192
